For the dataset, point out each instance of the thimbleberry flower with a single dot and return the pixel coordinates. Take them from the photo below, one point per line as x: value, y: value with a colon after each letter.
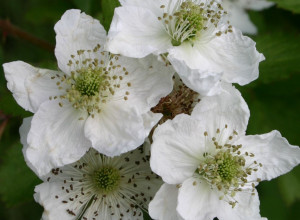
x: 213, y: 164
x: 195, y: 37
x: 96, y: 99
x: 99, y: 187
x: 238, y: 16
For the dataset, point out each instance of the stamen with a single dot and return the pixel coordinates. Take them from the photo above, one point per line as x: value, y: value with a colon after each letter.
x: 188, y: 19
x: 93, y: 81
x: 226, y: 169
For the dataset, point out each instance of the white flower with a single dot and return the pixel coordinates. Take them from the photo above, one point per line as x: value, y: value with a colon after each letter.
x: 194, y: 34
x: 99, y: 187
x: 96, y: 99
x: 213, y: 163
x: 238, y: 16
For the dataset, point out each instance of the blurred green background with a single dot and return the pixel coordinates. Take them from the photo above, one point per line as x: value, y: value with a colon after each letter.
x: 273, y: 99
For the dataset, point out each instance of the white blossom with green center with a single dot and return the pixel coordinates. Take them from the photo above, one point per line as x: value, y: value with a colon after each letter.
x: 187, y: 21
x: 210, y: 166
x: 96, y: 99
x: 194, y: 35
x: 98, y: 187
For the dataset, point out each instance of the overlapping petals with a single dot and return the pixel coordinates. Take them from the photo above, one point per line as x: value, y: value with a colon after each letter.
x: 65, y: 125
x: 183, y: 150
x: 216, y: 53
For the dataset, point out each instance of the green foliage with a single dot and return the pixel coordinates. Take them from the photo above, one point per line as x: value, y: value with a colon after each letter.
x: 273, y: 98
x: 282, y: 56
x: 291, y: 5
x: 289, y: 186
x: 108, y: 8
x: 16, y: 179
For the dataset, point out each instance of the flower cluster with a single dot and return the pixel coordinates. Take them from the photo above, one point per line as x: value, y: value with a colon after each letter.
x: 145, y: 118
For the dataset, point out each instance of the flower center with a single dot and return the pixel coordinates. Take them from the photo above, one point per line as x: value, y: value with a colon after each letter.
x: 93, y: 81
x: 228, y: 166
x: 188, y: 19
x: 107, y: 179
x: 226, y: 169
x: 89, y: 81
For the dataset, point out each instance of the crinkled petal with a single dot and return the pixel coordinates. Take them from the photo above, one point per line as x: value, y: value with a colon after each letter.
x: 239, y: 18
x: 76, y: 31
x: 56, y: 137
x: 30, y: 86
x: 136, y: 32
x: 163, y: 206
x: 15, y: 74
x: 53, y: 208
x: 233, y: 54
x: 150, y: 80
x: 227, y: 108
x: 177, y: 149
x: 40, y: 87
x: 24, y: 130
x: 198, y: 201
x: 119, y: 129
x: 204, y: 82
x: 271, y: 150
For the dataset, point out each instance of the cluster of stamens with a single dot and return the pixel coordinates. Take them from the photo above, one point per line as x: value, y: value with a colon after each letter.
x: 111, y: 187
x: 187, y: 20
x: 107, y: 179
x: 226, y: 170
x: 92, y: 81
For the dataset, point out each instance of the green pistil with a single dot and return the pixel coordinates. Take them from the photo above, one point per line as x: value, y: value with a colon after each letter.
x: 175, y: 42
x: 107, y: 179
x: 223, y: 168
x: 89, y: 81
x: 228, y: 167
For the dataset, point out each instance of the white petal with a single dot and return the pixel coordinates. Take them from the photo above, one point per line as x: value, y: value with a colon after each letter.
x: 198, y: 201
x: 256, y: 4
x: 30, y: 86
x: 163, y: 206
x: 24, y: 129
x: 15, y: 74
x: 177, y: 149
x: 76, y: 31
x: 153, y: 6
x: 273, y: 151
x: 54, y: 208
x: 227, y: 108
x: 233, y: 54
x: 56, y: 137
x: 118, y: 129
x: 40, y: 87
x: 136, y: 32
x: 239, y: 18
x: 204, y: 82
x: 150, y: 81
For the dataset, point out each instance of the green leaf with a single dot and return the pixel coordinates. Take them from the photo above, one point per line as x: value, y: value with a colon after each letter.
x: 16, y: 179
x: 289, y: 186
x: 108, y: 8
x: 291, y: 5
x: 282, y: 56
x: 9, y: 106
x: 274, y: 106
x: 84, y: 5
